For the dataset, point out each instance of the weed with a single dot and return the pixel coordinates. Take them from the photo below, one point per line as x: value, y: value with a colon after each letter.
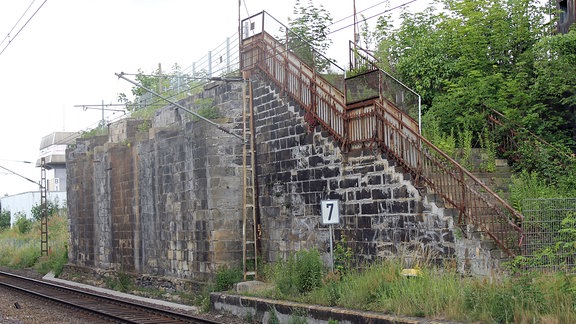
x: 122, y: 282
x: 342, y: 256
x: 249, y: 317
x: 226, y: 278
x: 273, y: 317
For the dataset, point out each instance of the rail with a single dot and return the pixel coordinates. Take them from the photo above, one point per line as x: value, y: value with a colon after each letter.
x: 366, y: 117
x: 476, y: 203
x: 93, y: 306
x: 320, y: 98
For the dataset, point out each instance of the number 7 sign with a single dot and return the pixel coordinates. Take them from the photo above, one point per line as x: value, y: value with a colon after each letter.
x: 330, y: 212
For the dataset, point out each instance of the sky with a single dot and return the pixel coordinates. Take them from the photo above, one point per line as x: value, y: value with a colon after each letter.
x: 65, y: 53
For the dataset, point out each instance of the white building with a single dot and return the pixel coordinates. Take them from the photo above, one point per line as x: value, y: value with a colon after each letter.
x: 22, y: 203
x: 53, y: 150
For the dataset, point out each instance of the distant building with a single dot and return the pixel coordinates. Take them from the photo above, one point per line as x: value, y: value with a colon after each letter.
x: 566, y: 15
x: 22, y: 203
x: 53, y: 150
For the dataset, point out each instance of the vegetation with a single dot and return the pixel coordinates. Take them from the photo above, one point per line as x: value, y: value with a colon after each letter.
x: 226, y: 277
x: 439, y: 293
x: 174, y: 85
x: 476, y: 57
x: 310, y: 40
x: 20, y: 245
x: 4, y: 220
x: 51, y: 209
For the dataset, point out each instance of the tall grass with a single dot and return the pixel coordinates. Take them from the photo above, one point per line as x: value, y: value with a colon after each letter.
x: 22, y: 250
x: 439, y: 293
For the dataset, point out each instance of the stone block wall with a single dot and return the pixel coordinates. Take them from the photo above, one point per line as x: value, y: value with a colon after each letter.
x: 381, y: 213
x: 164, y: 201
x: 167, y: 201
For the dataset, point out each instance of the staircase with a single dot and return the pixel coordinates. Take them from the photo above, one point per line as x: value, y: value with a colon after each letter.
x: 368, y: 116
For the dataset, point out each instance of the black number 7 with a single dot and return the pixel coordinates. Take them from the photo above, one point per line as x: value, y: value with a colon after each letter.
x: 331, y: 206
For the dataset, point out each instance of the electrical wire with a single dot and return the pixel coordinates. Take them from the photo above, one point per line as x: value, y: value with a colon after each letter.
x: 361, y: 11
x: 376, y: 15
x: 158, y: 102
x: 21, y: 28
x: 16, y: 24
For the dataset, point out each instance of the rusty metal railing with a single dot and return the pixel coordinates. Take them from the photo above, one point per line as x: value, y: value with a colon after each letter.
x: 476, y: 203
x: 321, y: 99
x: 376, y: 121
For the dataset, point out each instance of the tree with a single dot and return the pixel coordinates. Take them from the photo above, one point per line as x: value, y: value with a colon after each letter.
x: 51, y: 209
x: 470, y: 58
x: 4, y: 219
x: 555, y: 85
x: 309, y: 38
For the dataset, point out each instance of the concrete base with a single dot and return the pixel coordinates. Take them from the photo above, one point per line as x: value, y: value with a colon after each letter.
x: 250, y: 286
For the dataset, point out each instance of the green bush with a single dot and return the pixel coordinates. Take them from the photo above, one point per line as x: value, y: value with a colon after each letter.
x: 23, y: 224
x: 4, y: 220
x: 54, y: 262
x: 309, y: 269
x: 123, y: 282
x: 226, y: 278
x: 301, y: 273
x: 51, y: 209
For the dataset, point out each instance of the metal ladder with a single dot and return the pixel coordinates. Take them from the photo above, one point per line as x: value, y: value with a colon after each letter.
x: 250, y: 225
x: 44, y: 206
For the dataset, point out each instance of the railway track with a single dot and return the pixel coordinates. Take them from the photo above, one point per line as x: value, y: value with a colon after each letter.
x: 106, y: 308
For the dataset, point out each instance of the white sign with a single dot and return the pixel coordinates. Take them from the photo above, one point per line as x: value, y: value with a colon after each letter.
x: 330, y: 212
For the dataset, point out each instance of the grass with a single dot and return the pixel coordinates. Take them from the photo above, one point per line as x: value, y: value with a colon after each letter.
x: 22, y: 250
x: 439, y: 293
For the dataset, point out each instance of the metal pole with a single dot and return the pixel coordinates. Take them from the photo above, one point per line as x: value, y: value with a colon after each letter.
x: 102, y: 125
x: 227, y: 54
x: 44, y: 206
x: 121, y: 75
x: 331, y: 249
x: 209, y: 64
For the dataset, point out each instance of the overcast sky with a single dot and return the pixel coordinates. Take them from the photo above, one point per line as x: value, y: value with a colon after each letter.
x: 67, y: 55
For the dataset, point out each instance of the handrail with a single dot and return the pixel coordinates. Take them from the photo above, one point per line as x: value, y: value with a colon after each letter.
x: 377, y: 121
x: 476, y: 203
x: 323, y: 103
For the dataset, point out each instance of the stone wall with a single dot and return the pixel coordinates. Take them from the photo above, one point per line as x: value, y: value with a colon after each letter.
x: 166, y: 200
x: 163, y: 200
x: 381, y: 213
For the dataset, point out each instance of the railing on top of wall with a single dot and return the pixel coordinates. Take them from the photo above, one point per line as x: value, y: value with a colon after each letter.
x: 318, y: 90
x: 372, y: 119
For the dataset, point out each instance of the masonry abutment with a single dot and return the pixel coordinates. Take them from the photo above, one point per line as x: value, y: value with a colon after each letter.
x: 168, y: 202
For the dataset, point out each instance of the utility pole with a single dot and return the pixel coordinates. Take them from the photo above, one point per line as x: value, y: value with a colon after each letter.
x: 44, y: 209
x: 103, y: 107
x: 43, y: 203
x: 159, y: 77
x: 356, y: 35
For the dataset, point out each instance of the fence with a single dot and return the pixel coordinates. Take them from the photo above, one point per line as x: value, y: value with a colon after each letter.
x: 221, y: 61
x: 370, y: 81
x: 550, y: 233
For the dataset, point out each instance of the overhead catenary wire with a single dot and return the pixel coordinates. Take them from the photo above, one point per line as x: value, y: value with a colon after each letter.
x: 373, y: 16
x: 17, y: 22
x: 21, y: 28
x: 361, y: 11
x: 120, y: 75
x: 187, y: 88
